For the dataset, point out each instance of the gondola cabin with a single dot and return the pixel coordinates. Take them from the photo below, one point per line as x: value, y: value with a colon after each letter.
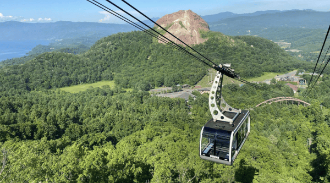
x: 221, y: 141
x: 223, y: 136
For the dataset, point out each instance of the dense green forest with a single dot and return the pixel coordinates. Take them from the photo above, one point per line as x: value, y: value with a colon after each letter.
x: 101, y: 135
x: 108, y: 135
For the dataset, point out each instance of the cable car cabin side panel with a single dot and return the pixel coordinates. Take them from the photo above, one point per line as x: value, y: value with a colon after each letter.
x: 221, y: 142
x: 240, y: 137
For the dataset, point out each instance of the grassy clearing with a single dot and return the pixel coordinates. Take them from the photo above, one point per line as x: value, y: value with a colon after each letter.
x: 267, y: 75
x: 84, y: 87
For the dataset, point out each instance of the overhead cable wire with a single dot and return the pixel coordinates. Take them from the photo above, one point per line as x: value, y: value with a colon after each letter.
x: 322, y: 62
x: 162, y: 35
x: 160, y: 38
x: 319, y: 54
x: 310, y: 81
x: 214, y: 64
x: 126, y: 20
x: 178, y: 46
x: 318, y: 76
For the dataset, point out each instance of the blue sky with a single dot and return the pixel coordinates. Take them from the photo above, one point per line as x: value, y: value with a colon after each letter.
x: 83, y: 11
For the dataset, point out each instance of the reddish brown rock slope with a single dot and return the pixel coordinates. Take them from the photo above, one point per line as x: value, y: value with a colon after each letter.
x: 185, y: 25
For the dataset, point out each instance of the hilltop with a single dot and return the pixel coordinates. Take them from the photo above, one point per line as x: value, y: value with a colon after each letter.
x: 185, y: 25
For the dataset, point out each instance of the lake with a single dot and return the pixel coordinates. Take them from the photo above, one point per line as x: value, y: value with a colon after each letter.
x: 12, y: 49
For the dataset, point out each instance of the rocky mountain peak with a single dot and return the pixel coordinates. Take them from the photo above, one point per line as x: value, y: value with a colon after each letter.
x: 185, y: 25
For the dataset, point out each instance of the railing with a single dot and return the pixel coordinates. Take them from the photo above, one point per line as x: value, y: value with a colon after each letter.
x: 286, y: 99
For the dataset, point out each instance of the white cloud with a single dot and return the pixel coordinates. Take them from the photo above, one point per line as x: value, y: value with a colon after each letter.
x: 44, y: 19
x: 25, y: 20
x: 36, y: 20
x: 107, y: 17
x: 4, y: 18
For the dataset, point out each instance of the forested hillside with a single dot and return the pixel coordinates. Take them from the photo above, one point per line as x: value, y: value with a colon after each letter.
x: 134, y: 60
x: 108, y: 135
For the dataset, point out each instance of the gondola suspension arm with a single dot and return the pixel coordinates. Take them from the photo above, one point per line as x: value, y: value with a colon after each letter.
x: 217, y: 104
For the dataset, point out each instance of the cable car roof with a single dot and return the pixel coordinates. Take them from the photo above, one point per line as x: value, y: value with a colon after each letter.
x: 222, y: 125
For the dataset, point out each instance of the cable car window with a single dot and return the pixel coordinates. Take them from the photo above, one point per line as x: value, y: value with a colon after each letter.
x: 234, y: 147
x: 240, y: 135
x: 205, y: 142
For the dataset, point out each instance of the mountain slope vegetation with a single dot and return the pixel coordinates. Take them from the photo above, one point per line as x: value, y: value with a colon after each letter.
x: 107, y: 135
x: 134, y: 60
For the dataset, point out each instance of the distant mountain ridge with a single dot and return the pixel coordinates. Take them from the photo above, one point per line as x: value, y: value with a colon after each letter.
x: 224, y: 22
x: 295, y: 18
x: 302, y: 28
x: 224, y: 15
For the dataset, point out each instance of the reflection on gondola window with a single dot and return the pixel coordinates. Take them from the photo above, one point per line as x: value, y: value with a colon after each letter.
x: 240, y: 135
